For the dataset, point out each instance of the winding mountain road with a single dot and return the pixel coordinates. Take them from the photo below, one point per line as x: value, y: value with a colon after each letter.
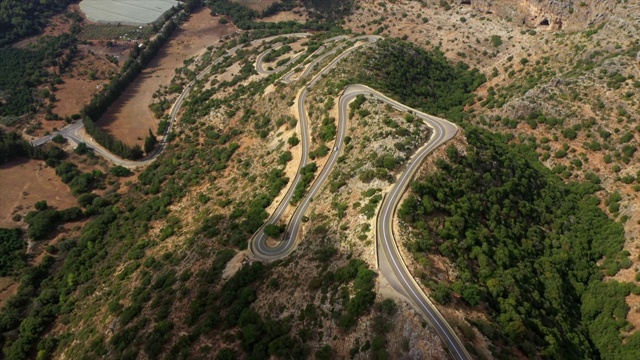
x: 391, y: 264
x: 258, y: 243
x: 260, y: 66
x: 72, y: 131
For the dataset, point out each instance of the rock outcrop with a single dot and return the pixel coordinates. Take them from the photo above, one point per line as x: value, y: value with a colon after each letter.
x: 548, y: 14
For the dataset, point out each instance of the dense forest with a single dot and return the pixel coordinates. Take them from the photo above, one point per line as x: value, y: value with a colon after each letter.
x: 525, y: 246
x: 12, y: 146
x: 12, y: 252
x: 21, y: 18
x: 422, y: 79
x: 24, y: 69
x: 330, y: 10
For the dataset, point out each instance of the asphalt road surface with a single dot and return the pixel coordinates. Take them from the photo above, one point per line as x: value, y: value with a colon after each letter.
x: 391, y: 264
x: 392, y: 267
x: 258, y: 243
x: 71, y: 132
x: 260, y: 66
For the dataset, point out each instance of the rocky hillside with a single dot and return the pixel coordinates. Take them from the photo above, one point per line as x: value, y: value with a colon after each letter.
x: 545, y: 96
x: 562, y: 78
x: 568, y: 15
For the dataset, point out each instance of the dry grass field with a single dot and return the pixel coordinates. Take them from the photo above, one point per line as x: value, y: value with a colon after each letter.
x: 129, y: 119
x: 257, y: 5
x: 23, y: 183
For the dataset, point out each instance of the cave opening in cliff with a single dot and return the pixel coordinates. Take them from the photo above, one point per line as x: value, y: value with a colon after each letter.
x: 544, y: 22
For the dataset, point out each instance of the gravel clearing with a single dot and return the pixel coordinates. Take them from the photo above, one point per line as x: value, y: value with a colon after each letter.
x: 128, y: 12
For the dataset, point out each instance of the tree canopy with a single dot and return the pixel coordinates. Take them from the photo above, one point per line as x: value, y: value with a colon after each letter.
x: 21, y: 18
x: 527, y: 245
x: 422, y: 79
x: 12, y: 251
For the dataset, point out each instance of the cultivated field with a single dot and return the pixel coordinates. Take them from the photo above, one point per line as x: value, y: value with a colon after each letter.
x: 129, y: 119
x: 131, y: 12
x: 114, y: 32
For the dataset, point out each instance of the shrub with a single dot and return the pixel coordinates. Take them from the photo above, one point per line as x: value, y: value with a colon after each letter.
x: 496, y: 40
x: 12, y: 251
x: 293, y: 140
x: 59, y: 139
x: 41, y: 205
x: 120, y: 171
x: 273, y: 230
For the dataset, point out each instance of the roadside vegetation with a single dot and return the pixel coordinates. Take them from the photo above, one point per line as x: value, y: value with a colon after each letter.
x: 25, y: 69
x: 19, y: 19
x: 245, y: 19
x: 158, y: 270
x: 425, y: 80
x: 525, y: 245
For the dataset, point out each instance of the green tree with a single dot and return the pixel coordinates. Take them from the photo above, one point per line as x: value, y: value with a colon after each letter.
x: 81, y: 149
x: 150, y: 143
x: 293, y: 140
x: 59, y: 139
x: 12, y: 253
x: 120, y: 171
x: 273, y: 230
x: 41, y: 205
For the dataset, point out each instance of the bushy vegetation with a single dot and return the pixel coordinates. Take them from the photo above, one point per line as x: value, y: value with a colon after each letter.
x: 19, y: 18
x: 12, y: 251
x: 28, y: 314
x: 363, y: 295
x: 274, y: 54
x: 42, y: 223
x: 12, y: 146
x: 245, y: 19
x: 330, y: 10
x: 526, y: 245
x: 120, y: 171
x: 423, y: 80
x: 79, y: 182
x: 306, y: 177
x: 245, y: 220
x: 24, y: 69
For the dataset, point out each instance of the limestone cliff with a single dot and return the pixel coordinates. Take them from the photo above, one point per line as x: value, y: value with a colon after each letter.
x: 554, y: 14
